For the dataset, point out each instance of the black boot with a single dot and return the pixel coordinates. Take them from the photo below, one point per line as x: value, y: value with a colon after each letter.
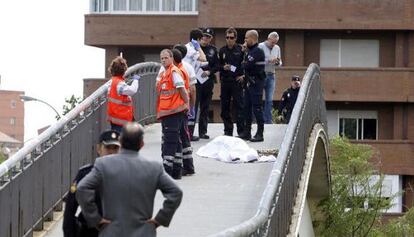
x: 246, y: 134
x: 176, y: 171
x: 259, y: 134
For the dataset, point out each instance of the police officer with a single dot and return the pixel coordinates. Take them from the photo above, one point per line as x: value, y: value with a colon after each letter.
x: 205, y: 81
x: 74, y: 225
x: 172, y: 105
x: 254, y: 79
x: 231, y: 83
x: 288, y: 99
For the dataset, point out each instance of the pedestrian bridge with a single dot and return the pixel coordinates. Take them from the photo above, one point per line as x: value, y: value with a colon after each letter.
x: 222, y: 199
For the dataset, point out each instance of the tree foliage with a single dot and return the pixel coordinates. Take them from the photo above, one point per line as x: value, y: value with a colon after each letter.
x: 71, y: 103
x: 356, y: 202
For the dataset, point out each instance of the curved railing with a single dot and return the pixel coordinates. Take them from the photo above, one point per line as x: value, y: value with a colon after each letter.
x: 35, y: 179
x: 273, y: 216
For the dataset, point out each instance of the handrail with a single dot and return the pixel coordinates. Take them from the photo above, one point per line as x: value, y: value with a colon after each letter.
x: 259, y: 224
x: 140, y: 68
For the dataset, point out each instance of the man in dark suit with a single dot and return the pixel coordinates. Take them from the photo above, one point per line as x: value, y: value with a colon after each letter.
x: 127, y: 184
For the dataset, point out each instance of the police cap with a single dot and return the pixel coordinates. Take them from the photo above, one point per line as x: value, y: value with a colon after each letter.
x: 109, y: 137
x: 295, y: 78
x: 208, y: 31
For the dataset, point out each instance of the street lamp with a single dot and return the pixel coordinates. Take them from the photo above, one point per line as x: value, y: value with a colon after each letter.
x: 29, y: 98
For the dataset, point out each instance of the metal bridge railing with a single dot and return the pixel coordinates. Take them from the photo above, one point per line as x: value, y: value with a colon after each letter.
x: 273, y: 216
x: 35, y: 179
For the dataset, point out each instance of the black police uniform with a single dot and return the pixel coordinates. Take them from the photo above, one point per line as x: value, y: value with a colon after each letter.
x: 288, y: 102
x: 205, y: 90
x: 230, y: 88
x: 254, y: 77
x: 76, y: 226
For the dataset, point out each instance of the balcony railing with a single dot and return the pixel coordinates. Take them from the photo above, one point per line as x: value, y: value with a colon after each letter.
x: 144, y: 7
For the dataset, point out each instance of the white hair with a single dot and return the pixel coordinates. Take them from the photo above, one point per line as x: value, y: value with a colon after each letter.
x: 273, y: 34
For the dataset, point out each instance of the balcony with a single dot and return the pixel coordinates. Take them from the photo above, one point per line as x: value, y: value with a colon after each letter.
x: 357, y: 84
x: 144, y: 7
x: 393, y: 156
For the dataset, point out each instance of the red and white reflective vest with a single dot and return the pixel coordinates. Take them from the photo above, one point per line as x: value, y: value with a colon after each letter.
x: 169, y: 97
x: 120, y: 107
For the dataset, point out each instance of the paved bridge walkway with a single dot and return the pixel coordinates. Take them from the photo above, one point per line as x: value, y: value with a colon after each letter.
x: 220, y: 195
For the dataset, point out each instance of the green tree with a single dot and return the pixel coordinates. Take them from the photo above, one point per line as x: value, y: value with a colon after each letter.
x: 356, y: 203
x: 2, y: 157
x: 71, y: 103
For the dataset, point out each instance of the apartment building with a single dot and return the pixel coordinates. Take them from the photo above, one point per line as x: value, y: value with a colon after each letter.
x: 365, y: 49
x: 12, y: 114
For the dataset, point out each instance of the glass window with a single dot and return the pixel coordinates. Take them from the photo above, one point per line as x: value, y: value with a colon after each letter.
x: 348, y: 128
x: 349, y: 53
x: 105, y: 5
x: 119, y: 5
x: 370, y: 129
x: 358, y: 128
x: 186, y: 5
x: 168, y: 5
x: 12, y: 104
x: 13, y: 121
x: 153, y: 5
x: 135, y: 5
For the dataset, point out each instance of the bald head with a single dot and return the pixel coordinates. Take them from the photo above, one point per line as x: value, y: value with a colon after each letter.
x: 251, y: 37
x: 132, y: 136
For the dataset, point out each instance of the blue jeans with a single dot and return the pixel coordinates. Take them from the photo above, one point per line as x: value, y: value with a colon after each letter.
x: 269, y: 89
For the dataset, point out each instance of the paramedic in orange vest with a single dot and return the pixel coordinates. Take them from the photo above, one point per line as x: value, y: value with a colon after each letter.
x: 189, y: 80
x: 120, y: 106
x: 172, y: 106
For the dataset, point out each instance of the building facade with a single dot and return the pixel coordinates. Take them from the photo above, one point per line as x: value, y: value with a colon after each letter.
x: 365, y: 49
x: 12, y: 114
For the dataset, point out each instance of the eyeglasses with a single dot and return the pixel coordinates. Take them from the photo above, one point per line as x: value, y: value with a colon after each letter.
x: 230, y: 37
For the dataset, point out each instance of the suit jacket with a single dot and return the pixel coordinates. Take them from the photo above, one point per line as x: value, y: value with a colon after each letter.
x: 127, y: 184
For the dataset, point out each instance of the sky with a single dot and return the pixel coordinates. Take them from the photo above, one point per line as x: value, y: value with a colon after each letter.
x: 42, y: 53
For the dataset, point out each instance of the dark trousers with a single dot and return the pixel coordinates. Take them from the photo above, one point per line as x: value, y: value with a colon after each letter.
x: 171, y: 146
x: 204, y: 94
x: 253, y: 102
x: 231, y: 91
x: 188, y: 163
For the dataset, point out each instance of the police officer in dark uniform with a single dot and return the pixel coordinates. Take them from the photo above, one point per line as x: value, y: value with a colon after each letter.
x: 254, y: 78
x: 288, y: 99
x: 205, y: 88
x: 231, y: 82
x: 74, y: 224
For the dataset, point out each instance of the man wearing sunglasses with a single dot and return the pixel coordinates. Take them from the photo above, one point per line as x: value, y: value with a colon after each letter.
x: 231, y: 82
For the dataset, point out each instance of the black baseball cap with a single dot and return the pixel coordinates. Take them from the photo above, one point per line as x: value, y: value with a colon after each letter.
x: 295, y: 78
x: 109, y: 137
x: 208, y: 31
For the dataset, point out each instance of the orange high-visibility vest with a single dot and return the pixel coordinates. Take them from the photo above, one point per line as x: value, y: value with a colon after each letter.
x: 120, y: 109
x: 169, y: 97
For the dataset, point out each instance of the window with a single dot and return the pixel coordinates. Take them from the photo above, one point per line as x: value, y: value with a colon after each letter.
x: 119, y: 5
x: 186, y: 5
x: 12, y: 104
x: 13, y: 121
x: 349, y: 53
x: 358, y: 128
x: 153, y: 5
x: 135, y: 5
x: 168, y: 5
x: 390, y: 190
x: 354, y: 124
x: 144, y: 6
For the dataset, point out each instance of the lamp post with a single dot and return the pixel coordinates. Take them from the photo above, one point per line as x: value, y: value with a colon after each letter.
x: 29, y: 98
